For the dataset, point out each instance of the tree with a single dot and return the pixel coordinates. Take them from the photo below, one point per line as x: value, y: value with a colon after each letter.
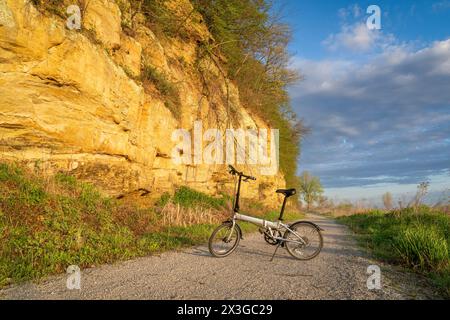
x: 254, y: 42
x: 310, y: 188
x: 387, y: 200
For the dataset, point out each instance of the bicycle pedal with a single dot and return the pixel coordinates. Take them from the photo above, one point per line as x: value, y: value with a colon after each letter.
x: 261, y: 231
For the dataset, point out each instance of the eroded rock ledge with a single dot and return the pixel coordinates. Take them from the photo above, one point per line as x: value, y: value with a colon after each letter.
x: 71, y: 100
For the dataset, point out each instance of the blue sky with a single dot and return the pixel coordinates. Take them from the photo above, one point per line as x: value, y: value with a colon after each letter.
x: 377, y: 101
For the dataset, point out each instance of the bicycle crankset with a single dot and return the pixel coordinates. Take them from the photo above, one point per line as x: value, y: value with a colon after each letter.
x: 270, y: 239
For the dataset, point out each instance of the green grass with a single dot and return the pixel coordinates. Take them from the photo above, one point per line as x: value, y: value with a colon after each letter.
x: 48, y: 224
x: 43, y: 232
x: 418, y: 240
x: 187, y: 197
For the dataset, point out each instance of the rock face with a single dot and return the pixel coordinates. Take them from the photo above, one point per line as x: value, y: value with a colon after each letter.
x: 73, y: 100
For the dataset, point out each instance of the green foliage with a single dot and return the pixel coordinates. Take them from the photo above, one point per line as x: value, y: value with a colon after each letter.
x: 66, y: 180
x: 56, y: 7
x: 417, y: 239
x: 44, y: 231
x: 422, y: 247
x: 188, y: 198
x: 254, y: 45
x: 235, y: 24
x: 164, y: 87
x: 158, y: 16
x: 310, y: 188
x: 162, y: 84
x: 164, y: 199
x: 288, y: 215
x: 59, y: 7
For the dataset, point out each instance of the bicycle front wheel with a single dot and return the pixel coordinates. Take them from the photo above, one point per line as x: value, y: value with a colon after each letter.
x: 224, y: 240
x: 310, y: 244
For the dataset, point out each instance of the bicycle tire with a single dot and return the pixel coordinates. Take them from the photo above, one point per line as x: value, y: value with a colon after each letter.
x: 212, y: 240
x: 291, y: 250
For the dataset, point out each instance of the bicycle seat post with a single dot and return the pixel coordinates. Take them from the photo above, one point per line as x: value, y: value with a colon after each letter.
x: 282, y: 208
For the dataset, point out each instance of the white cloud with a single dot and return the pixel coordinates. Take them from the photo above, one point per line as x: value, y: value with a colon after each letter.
x: 357, y: 11
x: 321, y: 75
x: 352, y: 11
x: 359, y: 38
x: 341, y: 125
x: 398, y: 69
x: 391, y: 108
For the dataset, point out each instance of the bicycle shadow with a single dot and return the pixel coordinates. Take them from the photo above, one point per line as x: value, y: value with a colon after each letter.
x: 199, y: 251
x: 242, y: 250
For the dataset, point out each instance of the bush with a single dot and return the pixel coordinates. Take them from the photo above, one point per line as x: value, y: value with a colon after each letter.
x: 416, y: 239
x: 56, y: 7
x: 151, y: 75
x: 188, y: 198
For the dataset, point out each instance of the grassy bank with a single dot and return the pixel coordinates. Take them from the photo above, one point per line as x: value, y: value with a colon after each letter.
x: 49, y: 223
x: 418, y: 239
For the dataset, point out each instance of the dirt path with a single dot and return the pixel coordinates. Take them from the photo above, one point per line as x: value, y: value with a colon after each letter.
x: 339, y: 272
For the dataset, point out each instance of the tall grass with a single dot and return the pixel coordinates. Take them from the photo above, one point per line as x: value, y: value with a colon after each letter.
x: 422, y: 247
x: 418, y: 239
x: 176, y: 215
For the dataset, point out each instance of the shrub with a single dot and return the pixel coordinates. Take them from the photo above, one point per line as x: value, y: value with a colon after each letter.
x: 151, y: 75
x: 56, y: 7
x: 189, y: 198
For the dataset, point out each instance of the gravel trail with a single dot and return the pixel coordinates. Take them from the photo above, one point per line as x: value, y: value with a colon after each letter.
x: 339, y: 272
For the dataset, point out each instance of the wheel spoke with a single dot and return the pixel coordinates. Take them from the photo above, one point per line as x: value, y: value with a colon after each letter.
x: 223, y: 240
x: 310, y: 238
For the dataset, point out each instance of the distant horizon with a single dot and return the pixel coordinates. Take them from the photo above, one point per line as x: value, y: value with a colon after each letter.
x: 342, y: 195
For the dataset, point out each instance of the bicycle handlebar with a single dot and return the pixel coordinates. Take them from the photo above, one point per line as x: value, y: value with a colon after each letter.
x: 233, y: 171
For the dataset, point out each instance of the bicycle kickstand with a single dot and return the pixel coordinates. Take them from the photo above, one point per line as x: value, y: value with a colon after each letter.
x: 275, y: 251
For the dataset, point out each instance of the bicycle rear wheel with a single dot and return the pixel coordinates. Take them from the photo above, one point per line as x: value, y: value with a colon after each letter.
x: 224, y: 240
x: 312, y: 242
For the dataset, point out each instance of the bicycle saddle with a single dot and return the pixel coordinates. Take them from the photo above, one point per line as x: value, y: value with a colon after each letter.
x: 287, y: 192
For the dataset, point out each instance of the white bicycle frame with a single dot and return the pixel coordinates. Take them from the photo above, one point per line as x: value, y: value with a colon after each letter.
x: 267, y: 225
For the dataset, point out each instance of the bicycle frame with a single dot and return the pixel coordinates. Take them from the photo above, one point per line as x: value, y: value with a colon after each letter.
x: 267, y: 225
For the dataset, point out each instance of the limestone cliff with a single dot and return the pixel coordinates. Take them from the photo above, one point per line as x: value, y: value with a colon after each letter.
x: 73, y: 100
